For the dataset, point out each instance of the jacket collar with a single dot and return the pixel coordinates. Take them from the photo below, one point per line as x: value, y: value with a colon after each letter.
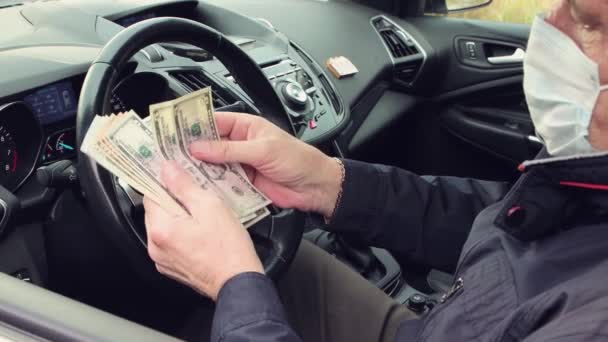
x: 555, y: 194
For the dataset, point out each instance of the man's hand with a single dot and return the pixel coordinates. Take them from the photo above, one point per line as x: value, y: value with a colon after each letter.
x: 290, y: 172
x: 203, y: 250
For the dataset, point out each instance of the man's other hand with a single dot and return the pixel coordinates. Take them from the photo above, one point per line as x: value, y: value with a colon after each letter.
x: 290, y: 172
x: 202, y: 250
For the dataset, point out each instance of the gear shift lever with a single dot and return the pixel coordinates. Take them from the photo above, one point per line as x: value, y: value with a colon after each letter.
x: 360, y: 258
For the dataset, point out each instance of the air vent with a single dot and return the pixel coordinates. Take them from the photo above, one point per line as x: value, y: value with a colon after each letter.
x: 407, y: 55
x: 193, y: 80
x: 407, y: 72
x: 397, y: 45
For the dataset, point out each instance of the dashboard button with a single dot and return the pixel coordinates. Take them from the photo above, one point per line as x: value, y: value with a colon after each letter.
x: 312, y: 124
x: 295, y: 95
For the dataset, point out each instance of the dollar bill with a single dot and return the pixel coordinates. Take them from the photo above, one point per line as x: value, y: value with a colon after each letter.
x: 163, y: 125
x: 194, y: 120
x: 133, y: 140
x: 108, y: 160
x: 258, y: 216
x: 134, y: 150
x: 179, y: 123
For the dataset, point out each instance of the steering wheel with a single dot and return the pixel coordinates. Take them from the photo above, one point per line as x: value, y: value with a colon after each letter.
x: 276, y: 238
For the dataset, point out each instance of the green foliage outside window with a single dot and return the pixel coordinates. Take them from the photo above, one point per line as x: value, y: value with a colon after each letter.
x: 512, y: 11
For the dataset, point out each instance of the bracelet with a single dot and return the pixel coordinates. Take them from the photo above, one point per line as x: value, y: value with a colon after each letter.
x: 340, y: 192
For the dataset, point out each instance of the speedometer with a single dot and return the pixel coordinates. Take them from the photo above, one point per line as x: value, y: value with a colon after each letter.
x: 8, y: 154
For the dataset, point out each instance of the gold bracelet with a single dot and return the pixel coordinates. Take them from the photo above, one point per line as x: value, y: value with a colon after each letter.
x: 340, y: 192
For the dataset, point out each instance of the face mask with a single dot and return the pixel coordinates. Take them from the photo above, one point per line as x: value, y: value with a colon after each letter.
x: 562, y: 86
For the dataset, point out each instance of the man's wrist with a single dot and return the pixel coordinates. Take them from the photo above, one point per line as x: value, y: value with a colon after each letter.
x: 246, y: 299
x: 236, y: 277
x: 223, y: 280
x: 330, y: 187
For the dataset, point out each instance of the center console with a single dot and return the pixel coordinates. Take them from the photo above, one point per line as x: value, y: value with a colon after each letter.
x: 315, y: 109
x: 306, y: 99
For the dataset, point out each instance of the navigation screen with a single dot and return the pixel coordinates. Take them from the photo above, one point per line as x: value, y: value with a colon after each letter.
x: 53, y: 103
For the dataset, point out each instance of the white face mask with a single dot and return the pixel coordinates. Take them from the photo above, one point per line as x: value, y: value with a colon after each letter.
x: 561, y: 85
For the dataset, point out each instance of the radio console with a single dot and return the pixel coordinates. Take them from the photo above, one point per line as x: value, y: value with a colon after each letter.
x: 312, y: 110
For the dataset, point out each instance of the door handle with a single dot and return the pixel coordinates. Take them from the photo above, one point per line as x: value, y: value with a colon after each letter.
x: 516, y: 57
x: 535, y: 140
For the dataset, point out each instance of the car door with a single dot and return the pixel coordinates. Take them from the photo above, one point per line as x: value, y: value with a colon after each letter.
x: 30, y: 313
x: 471, y: 118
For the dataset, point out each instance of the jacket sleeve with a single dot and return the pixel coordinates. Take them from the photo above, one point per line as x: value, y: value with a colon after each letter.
x: 583, y: 337
x: 426, y: 219
x: 248, y: 309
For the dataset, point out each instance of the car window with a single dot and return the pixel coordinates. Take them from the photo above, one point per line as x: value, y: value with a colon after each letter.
x: 512, y: 11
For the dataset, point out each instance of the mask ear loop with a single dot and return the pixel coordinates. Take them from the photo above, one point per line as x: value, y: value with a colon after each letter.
x: 604, y: 87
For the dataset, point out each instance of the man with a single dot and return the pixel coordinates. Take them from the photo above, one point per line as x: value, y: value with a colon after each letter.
x: 532, y: 268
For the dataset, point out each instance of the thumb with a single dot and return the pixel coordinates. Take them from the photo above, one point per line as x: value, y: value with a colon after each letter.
x: 181, y: 185
x: 251, y: 152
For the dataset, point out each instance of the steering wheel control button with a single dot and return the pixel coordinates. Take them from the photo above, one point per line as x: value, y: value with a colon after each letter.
x: 417, y: 303
x: 295, y: 95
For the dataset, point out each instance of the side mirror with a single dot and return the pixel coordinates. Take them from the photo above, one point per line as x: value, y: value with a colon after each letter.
x: 445, y: 6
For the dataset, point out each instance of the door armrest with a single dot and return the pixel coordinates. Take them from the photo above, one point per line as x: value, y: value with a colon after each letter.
x: 50, y: 316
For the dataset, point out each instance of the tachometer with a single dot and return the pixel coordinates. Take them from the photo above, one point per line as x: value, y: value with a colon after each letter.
x: 8, y: 154
x: 20, y: 144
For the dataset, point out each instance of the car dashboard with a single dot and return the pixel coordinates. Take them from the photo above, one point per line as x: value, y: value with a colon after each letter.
x: 46, y: 48
x: 46, y: 60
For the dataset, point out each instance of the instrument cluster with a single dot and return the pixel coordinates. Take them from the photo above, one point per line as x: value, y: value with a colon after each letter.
x: 36, y: 128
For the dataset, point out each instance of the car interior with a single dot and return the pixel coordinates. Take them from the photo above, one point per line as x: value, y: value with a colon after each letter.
x: 433, y: 95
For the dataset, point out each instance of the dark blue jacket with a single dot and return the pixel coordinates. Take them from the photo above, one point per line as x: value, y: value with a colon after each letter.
x: 533, y: 267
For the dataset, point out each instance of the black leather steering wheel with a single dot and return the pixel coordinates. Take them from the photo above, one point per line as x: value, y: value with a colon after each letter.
x: 276, y: 238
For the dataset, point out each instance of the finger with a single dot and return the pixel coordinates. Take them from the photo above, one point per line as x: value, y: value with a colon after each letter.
x: 158, y: 224
x: 155, y: 212
x: 155, y: 252
x: 252, y: 152
x: 234, y: 125
x: 250, y: 172
x: 150, y: 205
x: 157, y: 236
x: 168, y: 272
x: 182, y: 186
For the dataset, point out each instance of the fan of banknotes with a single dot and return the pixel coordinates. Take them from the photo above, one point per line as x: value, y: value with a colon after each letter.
x: 134, y: 149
